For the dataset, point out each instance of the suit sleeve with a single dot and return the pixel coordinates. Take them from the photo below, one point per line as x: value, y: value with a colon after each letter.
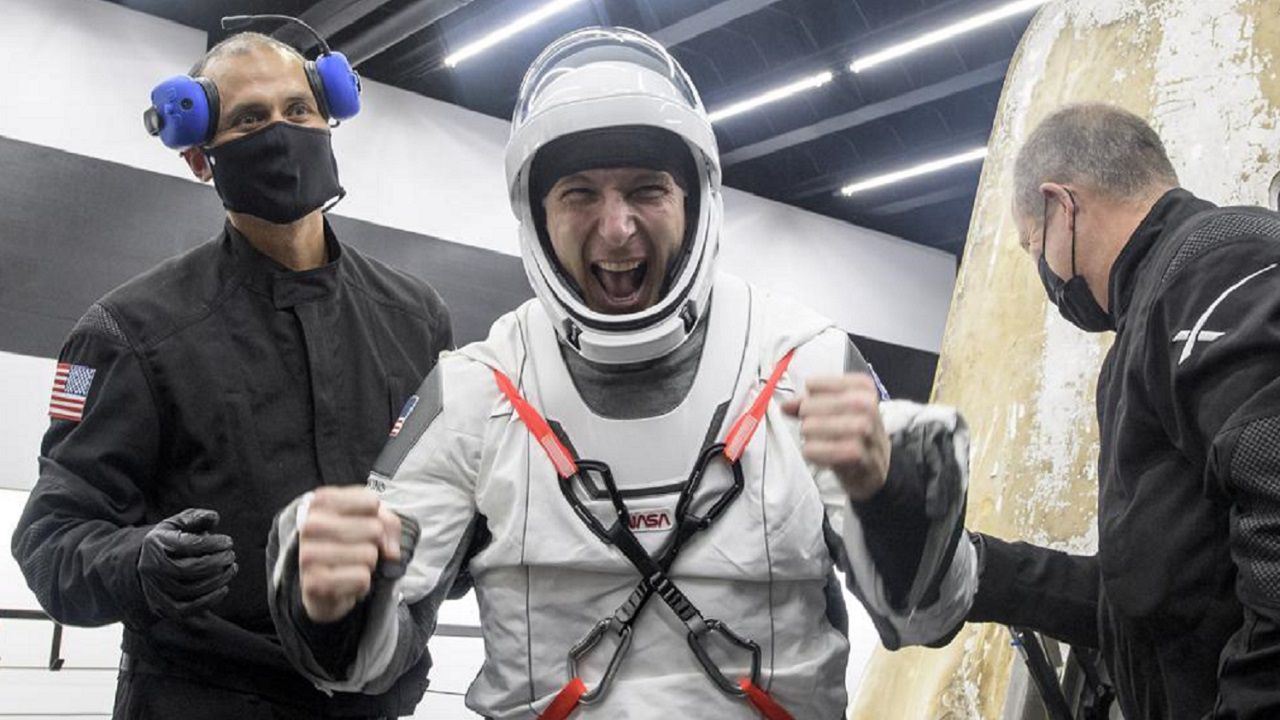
x: 428, y: 473
x: 79, y: 537
x: 1048, y: 591
x: 901, y: 551
x: 1223, y: 382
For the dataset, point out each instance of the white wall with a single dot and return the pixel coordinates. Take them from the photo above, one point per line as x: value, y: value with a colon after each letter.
x: 419, y: 164
x: 25, y: 387
x: 81, y: 74
x: 78, y: 75
x: 870, y: 283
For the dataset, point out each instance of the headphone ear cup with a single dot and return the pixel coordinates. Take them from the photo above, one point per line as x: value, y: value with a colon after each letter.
x: 317, y: 88
x: 214, y: 103
x: 183, y: 112
x: 341, y: 85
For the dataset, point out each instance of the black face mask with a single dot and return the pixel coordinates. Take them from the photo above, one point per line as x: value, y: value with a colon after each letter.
x: 280, y: 173
x: 1072, y: 297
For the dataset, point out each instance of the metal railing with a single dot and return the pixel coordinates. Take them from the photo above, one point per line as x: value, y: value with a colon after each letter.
x: 1081, y: 692
x: 56, y: 660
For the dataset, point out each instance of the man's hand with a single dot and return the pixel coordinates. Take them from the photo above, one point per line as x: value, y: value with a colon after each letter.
x: 346, y: 531
x: 841, y: 428
x: 184, y: 567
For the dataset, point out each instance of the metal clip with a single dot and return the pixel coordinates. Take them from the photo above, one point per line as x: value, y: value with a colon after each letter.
x: 588, y: 643
x: 709, y: 667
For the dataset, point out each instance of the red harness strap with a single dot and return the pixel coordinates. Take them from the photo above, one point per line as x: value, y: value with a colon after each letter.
x: 566, y: 701
x: 740, y: 433
x: 735, y: 441
x: 760, y: 700
x: 560, y: 456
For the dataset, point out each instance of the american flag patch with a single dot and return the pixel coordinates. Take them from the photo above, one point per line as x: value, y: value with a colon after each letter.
x: 409, y: 405
x: 71, y: 385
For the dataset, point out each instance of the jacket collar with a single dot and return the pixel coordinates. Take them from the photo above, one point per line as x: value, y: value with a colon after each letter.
x: 1168, y: 213
x: 286, y: 287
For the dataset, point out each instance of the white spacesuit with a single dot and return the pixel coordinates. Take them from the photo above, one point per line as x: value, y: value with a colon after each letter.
x: 472, y: 461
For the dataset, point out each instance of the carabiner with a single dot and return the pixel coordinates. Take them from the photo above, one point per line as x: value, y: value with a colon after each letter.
x: 583, y: 647
x: 683, y: 504
x: 696, y: 637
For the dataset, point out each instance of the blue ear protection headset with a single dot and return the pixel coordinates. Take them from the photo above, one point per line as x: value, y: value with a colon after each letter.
x: 184, y: 110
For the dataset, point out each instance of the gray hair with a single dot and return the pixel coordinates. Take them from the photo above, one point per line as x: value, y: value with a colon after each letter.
x: 239, y: 44
x: 1101, y: 146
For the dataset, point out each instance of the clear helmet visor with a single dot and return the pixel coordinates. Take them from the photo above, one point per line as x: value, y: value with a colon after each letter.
x: 595, y: 48
x: 601, y: 78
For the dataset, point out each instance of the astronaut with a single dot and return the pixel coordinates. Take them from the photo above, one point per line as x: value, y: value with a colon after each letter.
x: 650, y: 470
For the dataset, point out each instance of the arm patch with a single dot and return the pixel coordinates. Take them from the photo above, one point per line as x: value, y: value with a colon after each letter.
x: 419, y: 411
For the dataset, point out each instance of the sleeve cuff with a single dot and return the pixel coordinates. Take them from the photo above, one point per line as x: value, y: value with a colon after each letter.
x: 333, y: 645
x: 895, y: 527
x: 901, y: 494
x: 136, y: 612
x: 998, y: 563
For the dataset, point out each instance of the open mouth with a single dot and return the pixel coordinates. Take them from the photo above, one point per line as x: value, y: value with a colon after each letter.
x: 620, y: 282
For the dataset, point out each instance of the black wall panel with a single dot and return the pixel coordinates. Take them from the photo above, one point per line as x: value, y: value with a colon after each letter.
x: 73, y: 227
x: 907, y: 373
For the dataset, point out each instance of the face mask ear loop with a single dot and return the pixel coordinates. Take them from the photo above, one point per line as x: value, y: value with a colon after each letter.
x: 1044, y: 232
x: 335, y: 201
x: 1073, y: 231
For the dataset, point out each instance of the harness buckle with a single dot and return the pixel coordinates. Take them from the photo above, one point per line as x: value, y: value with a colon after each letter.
x: 588, y: 643
x: 697, y: 637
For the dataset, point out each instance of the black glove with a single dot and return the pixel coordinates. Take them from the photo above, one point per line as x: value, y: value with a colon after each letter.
x: 184, y: 568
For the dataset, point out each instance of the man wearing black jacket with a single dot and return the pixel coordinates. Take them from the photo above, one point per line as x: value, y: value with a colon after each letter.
x: 1183, y: 596
x: 196, y: 400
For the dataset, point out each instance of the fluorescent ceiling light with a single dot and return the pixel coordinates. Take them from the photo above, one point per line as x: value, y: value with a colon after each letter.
x: 520, y: 24
x: 773, y: 95
x: 914, y: 171
x: 944, y: 33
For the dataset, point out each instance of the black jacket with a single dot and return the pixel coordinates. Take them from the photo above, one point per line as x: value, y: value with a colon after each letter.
x: 1183, y: 597
x: 221, y: 380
